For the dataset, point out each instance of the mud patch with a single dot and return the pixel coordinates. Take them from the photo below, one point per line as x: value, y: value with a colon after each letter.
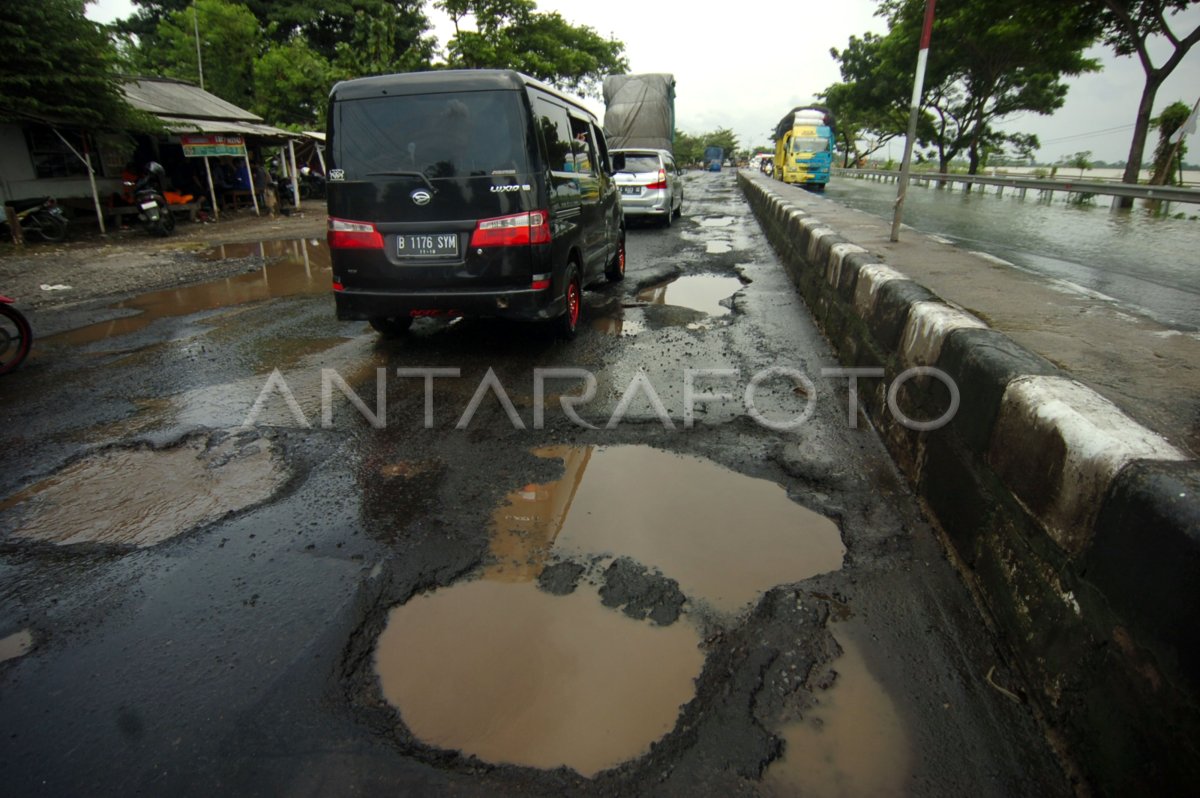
x: 142, y: 496
x: 852, y: 742
x: 16, y: 645
x: 513, y: 675
x: 700, y: 292
x: 641, y: 593
x: 723, y: 537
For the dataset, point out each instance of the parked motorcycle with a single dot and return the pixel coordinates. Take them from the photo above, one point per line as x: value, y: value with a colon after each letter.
x: 153, y: 211
x: 43, y: 218
x: 16, y: 336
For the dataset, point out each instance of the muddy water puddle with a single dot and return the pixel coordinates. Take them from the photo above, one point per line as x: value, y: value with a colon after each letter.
x: 16, y: 645
x: 852, y: 743
x: 510, y: 674
x: 700, y: 292
x: 140, y: 497
x: 503, y: 670
x: 294, y: 268
x: 724, y: 537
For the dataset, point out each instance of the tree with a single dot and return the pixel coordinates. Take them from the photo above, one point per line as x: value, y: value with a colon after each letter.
x: 511, y: 34
x: 723, y: 138
x: 1168, y: 157
x: 322, y: 24
x: 230, y: 42
x: 1128, y: 27
x: 1080, y: 160
x: 688, y: 149
x: 989, y: 60
x: 864, y: 123
x: 291, y: 84
x: 58, y: 66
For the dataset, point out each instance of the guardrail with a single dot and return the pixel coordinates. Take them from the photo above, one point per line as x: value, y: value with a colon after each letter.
x: 1024, y: 184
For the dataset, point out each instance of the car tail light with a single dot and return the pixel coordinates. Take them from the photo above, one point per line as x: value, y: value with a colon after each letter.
x: 338, y: 286
x: 353, y: 235
x: 540, y: 282
x: 661, y: 182
x: 519, y: 229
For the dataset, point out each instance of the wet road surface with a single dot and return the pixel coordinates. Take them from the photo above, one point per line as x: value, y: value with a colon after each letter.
x: 243, y: 548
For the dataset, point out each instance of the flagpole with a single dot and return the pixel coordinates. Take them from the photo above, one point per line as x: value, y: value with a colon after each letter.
x: 913, y: 113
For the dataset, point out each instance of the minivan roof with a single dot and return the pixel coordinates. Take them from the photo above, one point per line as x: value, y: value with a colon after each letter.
x: 440, y: 80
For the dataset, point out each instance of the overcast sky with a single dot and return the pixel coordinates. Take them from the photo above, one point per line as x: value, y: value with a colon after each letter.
x: 735, y: 72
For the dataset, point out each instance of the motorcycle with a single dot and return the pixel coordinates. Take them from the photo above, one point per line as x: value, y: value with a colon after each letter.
x: 43, y: 217
x: 16, y: 336
x: 153, y: 211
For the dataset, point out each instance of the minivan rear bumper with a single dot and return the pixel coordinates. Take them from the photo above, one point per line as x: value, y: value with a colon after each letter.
x: 521, y: 303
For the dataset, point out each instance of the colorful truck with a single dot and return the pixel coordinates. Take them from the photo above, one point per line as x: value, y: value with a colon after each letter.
x: 804, y: 146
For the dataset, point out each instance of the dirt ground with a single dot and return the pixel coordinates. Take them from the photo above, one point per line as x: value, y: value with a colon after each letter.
x: 88, y: 266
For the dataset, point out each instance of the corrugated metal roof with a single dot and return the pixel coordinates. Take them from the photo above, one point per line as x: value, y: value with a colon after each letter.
x: 185, y: 108
x: 179, y: 125
x: 165, y: 97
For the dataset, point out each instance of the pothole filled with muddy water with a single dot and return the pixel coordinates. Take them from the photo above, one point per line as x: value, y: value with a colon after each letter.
x: 699, y: 292
x: 588, y: 674
x: 143, y: 496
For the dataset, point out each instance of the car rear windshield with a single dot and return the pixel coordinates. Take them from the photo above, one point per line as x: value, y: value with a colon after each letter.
x: 641, y: 162
x: 459, y: 134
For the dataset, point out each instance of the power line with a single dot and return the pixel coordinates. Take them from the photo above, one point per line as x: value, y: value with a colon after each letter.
x: 1104, y: 132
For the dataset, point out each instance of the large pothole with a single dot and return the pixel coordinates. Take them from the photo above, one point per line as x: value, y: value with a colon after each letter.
x: 511, y: 674
x: 724, y: 537
x: 144, y: 496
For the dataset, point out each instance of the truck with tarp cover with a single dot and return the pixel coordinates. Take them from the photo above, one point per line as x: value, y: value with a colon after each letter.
x: 639, y: 111
x: 804, y: 146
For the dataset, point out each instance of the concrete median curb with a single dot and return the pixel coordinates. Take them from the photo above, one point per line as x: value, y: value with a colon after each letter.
x: 1077, y: 528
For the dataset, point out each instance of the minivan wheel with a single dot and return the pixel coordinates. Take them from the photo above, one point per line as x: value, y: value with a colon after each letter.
x: 568, y: 323
x: 679, y: 210
x: 615, y: 272
x: 389, y: 326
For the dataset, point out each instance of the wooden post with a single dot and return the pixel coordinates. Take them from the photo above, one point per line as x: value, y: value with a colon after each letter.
x: 14, y: 224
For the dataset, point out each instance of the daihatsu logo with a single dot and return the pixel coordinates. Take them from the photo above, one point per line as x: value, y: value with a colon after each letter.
x: 421, y: 196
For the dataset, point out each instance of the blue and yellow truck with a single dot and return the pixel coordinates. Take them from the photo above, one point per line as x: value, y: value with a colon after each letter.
x: 804, y: 146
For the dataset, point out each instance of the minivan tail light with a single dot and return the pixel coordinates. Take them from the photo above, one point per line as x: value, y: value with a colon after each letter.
x: 532, y: 227
x: 344, y: 234
x: 662, y: 180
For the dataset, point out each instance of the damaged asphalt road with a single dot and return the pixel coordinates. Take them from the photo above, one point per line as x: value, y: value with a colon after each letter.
x: 218, y: 573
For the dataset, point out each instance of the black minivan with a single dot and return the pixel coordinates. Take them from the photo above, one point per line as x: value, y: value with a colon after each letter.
x: 467, y: 192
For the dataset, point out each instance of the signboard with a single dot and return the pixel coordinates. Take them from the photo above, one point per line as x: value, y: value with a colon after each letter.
x: 199, y: 145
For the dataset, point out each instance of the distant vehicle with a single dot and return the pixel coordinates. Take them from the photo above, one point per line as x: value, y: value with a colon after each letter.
x: 639, y: 111
x: 650, y: 184
x: 467, y: 193
x: 804, y: 146
x: 713, y: 156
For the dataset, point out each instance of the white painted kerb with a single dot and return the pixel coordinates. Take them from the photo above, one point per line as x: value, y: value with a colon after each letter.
x: 1099, y: 441
x: 926, y: 329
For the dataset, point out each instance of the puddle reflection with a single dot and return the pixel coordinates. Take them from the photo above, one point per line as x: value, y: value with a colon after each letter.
x: 701, y: 292
x: 296, y: 267
x: 724, y: 537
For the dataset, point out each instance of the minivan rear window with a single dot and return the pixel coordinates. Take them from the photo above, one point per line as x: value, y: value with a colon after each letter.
x: 450, y: 135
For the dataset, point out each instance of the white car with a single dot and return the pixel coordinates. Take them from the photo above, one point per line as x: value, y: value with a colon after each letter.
x: 650, y: 184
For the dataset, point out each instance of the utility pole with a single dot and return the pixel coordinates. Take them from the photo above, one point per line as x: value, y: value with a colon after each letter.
x: 196, y: 28
x: 918, y: 85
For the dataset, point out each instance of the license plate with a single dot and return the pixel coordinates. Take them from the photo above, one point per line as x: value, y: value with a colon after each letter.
x: 148, y: 205
x: 427, y: 245
x: 635, y: 190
